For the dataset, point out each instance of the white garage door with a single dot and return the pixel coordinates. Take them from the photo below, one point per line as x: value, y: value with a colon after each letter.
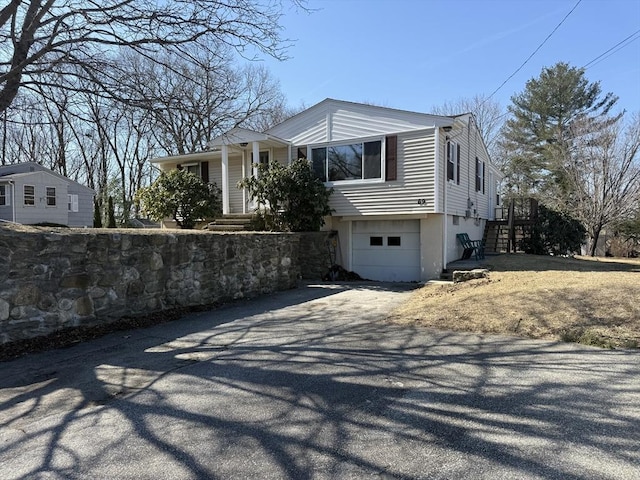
x: 387, y: 250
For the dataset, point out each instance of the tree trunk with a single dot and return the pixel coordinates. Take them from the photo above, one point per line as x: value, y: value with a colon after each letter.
x: 595, y: 235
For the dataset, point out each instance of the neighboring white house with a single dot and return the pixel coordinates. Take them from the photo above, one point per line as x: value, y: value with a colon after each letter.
x: 31, y: 194
x: 404, y: 182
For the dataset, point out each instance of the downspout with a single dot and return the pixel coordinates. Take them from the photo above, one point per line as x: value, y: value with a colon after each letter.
x: 13, y: 195
x: 445, y: 234
x: 437, y: 199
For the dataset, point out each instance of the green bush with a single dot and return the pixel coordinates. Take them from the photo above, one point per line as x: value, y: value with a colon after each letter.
x: 181, y: 196
x: 290, y: 198
x: 554, y: 233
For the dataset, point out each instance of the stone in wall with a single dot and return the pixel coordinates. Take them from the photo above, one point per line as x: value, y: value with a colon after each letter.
x: 56, y: 278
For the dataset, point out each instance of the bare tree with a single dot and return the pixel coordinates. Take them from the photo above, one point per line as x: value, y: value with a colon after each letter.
x: 487, y: 112
x: 84, y: 38
x: 603, y: 175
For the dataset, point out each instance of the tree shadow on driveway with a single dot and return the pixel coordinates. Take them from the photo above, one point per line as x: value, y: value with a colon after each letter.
x: 313, y: 383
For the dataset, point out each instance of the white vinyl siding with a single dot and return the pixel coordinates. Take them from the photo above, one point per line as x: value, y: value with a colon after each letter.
x: 412, y: 192
x: 463, y: 199
x: 337, y: 121
x: 235, y: 175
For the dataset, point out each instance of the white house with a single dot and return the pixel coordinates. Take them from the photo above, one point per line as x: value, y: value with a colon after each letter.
x: 404, y: 182
x: 31, y: 194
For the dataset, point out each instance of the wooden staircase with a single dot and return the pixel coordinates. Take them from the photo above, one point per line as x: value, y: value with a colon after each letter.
x: 504, y: 235
x: 231, y: 223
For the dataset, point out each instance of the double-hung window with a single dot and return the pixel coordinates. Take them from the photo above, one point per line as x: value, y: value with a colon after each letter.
x: 479, y: 175
x: 51, y: 196
x: 29, y: 195
x: 352, y: 161
x: 4, y: 195
x: 453, y: 162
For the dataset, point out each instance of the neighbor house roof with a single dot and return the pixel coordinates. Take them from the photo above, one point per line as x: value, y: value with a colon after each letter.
x: 16, y: 170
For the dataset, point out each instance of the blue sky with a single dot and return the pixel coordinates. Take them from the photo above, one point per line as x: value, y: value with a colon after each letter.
x: 416, y: 54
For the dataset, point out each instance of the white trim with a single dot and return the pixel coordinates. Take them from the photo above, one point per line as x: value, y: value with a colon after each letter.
x: 225, y: 180
x: 244, y: 175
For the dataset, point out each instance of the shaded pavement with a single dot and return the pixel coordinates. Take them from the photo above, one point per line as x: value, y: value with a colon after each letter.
x: 314, y: 383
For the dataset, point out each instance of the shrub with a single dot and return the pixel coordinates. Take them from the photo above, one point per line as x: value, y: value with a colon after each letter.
x: 554, y: 233
x: 181, y: 196
x: 290, y: 198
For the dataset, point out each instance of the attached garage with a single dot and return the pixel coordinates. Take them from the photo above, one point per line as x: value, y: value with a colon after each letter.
x: 386, y: 250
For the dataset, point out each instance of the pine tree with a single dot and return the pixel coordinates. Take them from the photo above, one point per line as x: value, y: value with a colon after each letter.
x: 111, y: 217
x: 541, y: 132
x: 97, y: 214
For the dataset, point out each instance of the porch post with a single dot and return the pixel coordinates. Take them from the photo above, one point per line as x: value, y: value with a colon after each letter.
x: 225, y: 180
x: 256, y: 158
x: 244, y: 175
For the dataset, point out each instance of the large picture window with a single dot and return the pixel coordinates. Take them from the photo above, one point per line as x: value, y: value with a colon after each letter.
x: 354, y: 161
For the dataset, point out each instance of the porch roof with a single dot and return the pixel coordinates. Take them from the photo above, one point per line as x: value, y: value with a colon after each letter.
x: 242, y: 137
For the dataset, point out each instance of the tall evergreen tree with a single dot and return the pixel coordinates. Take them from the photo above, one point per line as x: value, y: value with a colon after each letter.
x: 111, y: 216
x: 540, y: 133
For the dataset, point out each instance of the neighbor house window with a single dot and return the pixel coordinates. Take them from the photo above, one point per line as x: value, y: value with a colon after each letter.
x: 453, y: 162
x: 479, y: 175
x: 354, y: 161
x: 51, y: 197
x: 4, y: 197
x: 72, y: 202
x: 29, y: 195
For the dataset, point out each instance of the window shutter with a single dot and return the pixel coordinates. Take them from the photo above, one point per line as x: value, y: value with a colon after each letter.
x: 204, y: 171
x: 483, y: 176
x: 450, y: 163
x: 458, y: 164
x: 391, y: 158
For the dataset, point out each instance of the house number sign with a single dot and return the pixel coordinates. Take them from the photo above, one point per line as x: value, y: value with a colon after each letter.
x: 422, y: 201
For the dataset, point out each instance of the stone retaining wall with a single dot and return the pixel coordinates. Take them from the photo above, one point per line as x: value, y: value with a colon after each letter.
x: 51, y: 280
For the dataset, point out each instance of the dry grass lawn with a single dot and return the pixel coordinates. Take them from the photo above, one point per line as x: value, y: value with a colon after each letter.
x: 582, y: 299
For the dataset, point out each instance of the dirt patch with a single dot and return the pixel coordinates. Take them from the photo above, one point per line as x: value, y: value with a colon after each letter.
x: 592, y: 301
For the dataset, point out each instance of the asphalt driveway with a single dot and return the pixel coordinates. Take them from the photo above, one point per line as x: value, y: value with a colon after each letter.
x: 314, y: 383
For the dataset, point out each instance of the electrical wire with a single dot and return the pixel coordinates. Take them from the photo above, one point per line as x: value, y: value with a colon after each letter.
x: 599, y: 58
x: 534, y: 52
